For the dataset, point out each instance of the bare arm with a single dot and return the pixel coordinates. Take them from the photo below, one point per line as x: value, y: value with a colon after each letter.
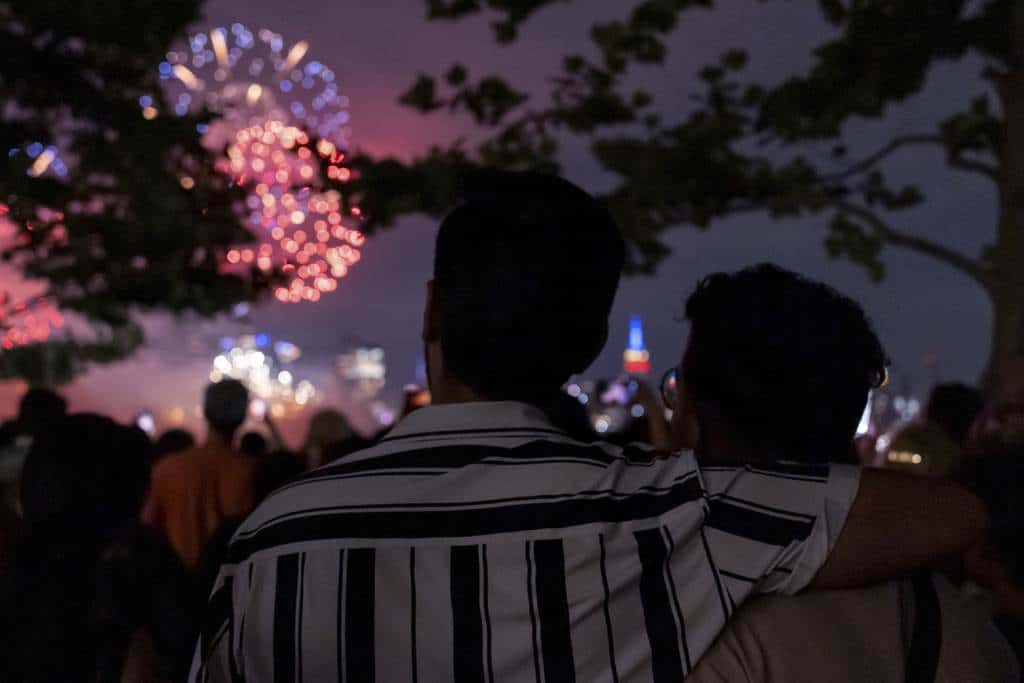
x: 657, y: 425
x: 898, y: 524
x: 275, y: 433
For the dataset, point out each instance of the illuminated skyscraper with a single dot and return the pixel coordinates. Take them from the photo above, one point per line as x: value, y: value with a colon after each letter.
x: 636, y: 359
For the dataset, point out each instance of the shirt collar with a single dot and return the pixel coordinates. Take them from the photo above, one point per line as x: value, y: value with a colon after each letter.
x: 476, y: 416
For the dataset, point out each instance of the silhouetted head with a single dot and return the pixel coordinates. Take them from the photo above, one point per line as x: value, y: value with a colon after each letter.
x: 777, y: 364
x: 253, y: 444
x: 225, y: 406
x: 525, y: 272
x: 954, y: 408
x: 39, y: 410
x: 326, y: 429
x: 173, y: 441
x: 86, y: 476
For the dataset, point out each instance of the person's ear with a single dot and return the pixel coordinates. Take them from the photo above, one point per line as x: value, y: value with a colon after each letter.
x: 431, y: 315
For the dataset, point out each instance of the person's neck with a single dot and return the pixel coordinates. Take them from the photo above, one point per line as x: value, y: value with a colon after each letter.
x: 716, y: 448
x: 448, y: 389
x: 215, y: 439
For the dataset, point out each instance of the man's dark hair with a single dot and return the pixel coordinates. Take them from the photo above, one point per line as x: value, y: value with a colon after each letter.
x: 525, y: 272
x: 954, y: 407
x: 786, y: 362
x: 225, y: 406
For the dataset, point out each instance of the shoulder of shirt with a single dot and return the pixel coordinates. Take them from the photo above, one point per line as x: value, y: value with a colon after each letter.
x: 656, y: 465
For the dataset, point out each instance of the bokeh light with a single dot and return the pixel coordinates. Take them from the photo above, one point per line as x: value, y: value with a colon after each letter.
x: 27, y: 314
x: 264, y: 368
x: 301, y: 231
x: 284, y: 126
x: 246, y: 76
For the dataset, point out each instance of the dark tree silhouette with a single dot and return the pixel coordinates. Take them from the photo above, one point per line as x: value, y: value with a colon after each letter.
x: 141, y: 219
x: 746, y: 147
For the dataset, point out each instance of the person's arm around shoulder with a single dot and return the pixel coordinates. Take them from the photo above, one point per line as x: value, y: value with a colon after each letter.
x: 972, y: 647
x: 899, y: 523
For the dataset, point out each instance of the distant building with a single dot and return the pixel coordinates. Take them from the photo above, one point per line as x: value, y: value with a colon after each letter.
x: 636, y: 359
x: 364, y: 370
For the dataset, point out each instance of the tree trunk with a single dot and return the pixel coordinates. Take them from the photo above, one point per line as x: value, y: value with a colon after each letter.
x: 1005, y: 370
x: 1006, y: 363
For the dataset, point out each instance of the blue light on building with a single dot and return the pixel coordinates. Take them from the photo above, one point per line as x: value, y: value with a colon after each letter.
x: 636, y: 359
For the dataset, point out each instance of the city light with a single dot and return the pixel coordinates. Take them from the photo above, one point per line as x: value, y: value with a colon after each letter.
x: 363, y: 369
x: 259, y: 365
x: 905, y: 458
x: 636, y: 359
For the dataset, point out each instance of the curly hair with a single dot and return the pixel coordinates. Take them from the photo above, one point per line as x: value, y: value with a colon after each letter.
x: 787, y: 362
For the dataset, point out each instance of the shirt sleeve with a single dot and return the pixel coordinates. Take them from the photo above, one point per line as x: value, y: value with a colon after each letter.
x: 214, y: 660
x: 773, y: 527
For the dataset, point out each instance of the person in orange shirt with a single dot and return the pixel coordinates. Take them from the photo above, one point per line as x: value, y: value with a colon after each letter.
x: 193, y: 492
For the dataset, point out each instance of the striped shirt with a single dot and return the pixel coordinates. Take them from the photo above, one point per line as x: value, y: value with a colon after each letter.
x: 478, y: 543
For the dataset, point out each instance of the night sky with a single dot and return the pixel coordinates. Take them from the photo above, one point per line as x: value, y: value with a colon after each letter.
x: 922, y: 309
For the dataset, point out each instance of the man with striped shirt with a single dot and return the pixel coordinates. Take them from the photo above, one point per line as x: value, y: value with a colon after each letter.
x: 741, y: 375
x: 478, y: 542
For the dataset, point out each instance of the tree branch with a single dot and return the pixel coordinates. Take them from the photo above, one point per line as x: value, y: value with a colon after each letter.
x: 981, y: 167
x: 894, y: 145
x: 897, y: 238
x: 955, y: 160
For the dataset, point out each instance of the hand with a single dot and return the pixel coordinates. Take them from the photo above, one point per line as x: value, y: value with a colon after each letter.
x: 984, y: 566
x: 657, y: 426
x: 646, y: 396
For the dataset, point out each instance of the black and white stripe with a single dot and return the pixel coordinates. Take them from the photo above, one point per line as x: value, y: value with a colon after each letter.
x: 287, y: 617
x: 468, y: 619
x: 479, y: 544
x: 552, y: 609
x: 666, y: 632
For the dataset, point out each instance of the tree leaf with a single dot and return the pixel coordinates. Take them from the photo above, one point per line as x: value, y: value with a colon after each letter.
x: 457, y: 75
x: 422, y: 95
